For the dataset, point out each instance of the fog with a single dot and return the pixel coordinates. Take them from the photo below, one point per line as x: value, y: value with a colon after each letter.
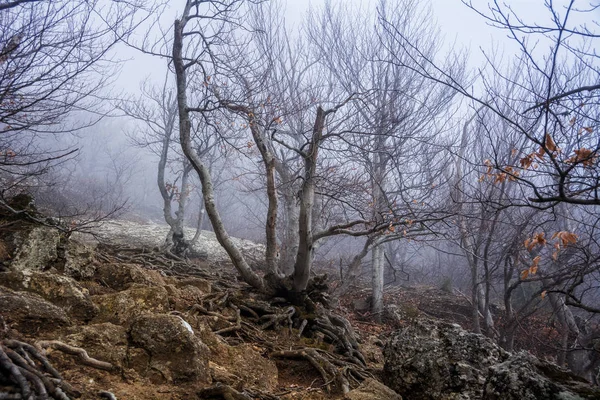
x: 446, y: 144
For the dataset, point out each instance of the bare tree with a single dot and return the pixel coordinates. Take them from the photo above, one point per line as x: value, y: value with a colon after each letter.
x: 54, y: 59
x: 398, y: 140
x: 558, y: 110
x: 156, y: 110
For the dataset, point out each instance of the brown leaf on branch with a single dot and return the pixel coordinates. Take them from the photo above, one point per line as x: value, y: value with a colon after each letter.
x: 565, y: 237
x: 550, y: 145
x: 584, y: 156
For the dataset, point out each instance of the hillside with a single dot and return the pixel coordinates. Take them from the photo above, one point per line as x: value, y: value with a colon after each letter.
x: 86, y: 320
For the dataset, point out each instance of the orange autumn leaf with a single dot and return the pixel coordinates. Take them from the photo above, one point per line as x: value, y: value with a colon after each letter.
x: 584, y: 156
x: 550, y: 145
x: 534, y: 267
x: 541, y: 152
x: 544, y: 293
x: 565, y: 237
x: 524, y: 274
x: 538, y: 239
x: 527, y: 160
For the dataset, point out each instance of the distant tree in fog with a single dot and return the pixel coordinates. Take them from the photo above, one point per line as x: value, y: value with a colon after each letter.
x: 54, y: 64
x: 536, y: 121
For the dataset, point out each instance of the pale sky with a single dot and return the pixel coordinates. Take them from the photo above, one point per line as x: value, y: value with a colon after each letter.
x: 460, y: 27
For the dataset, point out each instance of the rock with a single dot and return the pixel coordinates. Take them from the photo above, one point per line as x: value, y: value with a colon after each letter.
x: 58, y: 289
x: 105, y: 342
x: 524, y: 377
x: 182, y: 299
x: 372, y: 350
x: 123, y: 276
x: 220, y: 374
x: 35, y: 249
x: 176, y: 354
x: 122, y: 308
x: 438, y: 360
x: 441, y: 361
x: 79, y: 259
x: 242, y: 365
x: 202, y: 284
x: 372, y: 389
x: 4, y: 255
x: 29, y: 313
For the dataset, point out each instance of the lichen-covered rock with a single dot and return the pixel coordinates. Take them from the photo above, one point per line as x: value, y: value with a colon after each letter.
x: 122, y: 308
x: 202, y: 285
x: 123, y: 276
x: 153, y: 235
x: 29, y: 313
x: 105, y: 342
x: 176, y: 354
x: 79, y: 259
x: 35, y: 248
x: 60, y: 290
x: 372, y: 389
x: 183, y: 299
x: 524, y: 377
x: 440, y: 361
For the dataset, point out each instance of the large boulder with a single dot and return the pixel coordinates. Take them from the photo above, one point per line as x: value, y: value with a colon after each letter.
x: 123, y: 307
x: 35, y: 248
x: 437, y: 360
x: 176, y: 354
x: 524, y: 377
x: 440, y: 361
x: 124, y: 276
x: 60, y: 290
x: 79, y: 257
x: 29, y: 313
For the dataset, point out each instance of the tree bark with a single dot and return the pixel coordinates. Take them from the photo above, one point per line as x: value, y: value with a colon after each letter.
x: 304, y: 257
x: 377, y: 283
x: 223, y: 237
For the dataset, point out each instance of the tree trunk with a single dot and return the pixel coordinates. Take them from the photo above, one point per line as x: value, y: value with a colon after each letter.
x: 199, y: 223
x: 354, y: 269
x: 291, y: 207
x: 377, y: 282
x: 304, y: 258
x: 234, y: 253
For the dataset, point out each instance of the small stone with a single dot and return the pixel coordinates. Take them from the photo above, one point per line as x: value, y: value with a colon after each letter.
x: 372, y: 389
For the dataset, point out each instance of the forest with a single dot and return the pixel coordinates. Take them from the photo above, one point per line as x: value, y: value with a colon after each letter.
x: 357, y: 146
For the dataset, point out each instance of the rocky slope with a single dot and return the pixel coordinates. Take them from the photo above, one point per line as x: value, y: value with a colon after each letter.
x: 83, y: 320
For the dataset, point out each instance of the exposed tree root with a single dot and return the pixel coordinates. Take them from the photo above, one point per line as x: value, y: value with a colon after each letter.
x: 236, y: 327
x: 328, y: 371
x: 166, y: 262
x: 253, y: 317
x: 340, y: 332
x: 75, y: 351
x: 241, y: 315
x: 24, y: 365
x: 273, y: 320
x: 221, y: 391
x: 107, y: 395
